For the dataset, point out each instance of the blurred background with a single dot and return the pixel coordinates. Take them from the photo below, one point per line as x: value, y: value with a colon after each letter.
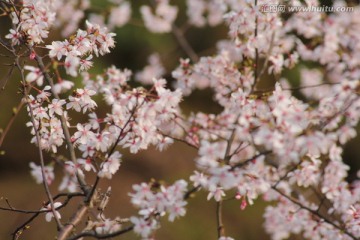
x: 134, y: 45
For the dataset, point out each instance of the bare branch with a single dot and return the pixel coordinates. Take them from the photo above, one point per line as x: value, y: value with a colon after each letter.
x: 5, y: 45
x: 12, y: 119
x: 220, y: 224
x: 23, y: 226
x: 38, y: 139
x: 69, y: 196
x: 264, y: 67
x: 243, y: 163
x: 184, y: 43
x: 93, y: 234
x: 75, y: 220
x: 179, y: 35
x: 7, y: 76
x: 256, y: 65
x: 69, y: 144
x: 315, y: 213
x: 180, y: 140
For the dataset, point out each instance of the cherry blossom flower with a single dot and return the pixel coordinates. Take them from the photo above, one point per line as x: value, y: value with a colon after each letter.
x: 58, y: 49
x: 119, y: 15
x: 86, y: 164
x: 201, y: 12
x: 215, y: 192
x: 110, y: 166
x: 62, y: 86
x: 107, y: 226
x: 153, y: 70
x: 199, y: 179
x: 49, y: 215
x: 84, y: 134
x: 14, y: 36
x: 161, y: 21
x: 72, y: 63
x: 82, y: 100
x: 143, y: 227
x: 34, y: 75
x: 37, y: 173
x: 56, y: 107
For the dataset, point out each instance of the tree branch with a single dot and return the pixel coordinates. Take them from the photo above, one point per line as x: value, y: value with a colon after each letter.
x: 256, y: 51
x: 220, y: 224
x: 69, y: 196
x: 64, y: 126
x: 241, y: 164
x: 93, y: 234
x: 75, y: 220
x: 38, y: 139
x: 12, y: 119
x: 23, y: 226
x: 184, y: 43
x: 314, y: 212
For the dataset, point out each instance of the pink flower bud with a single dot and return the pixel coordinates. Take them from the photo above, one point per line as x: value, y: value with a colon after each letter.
x: 243, y: 204
x: 32, y: 55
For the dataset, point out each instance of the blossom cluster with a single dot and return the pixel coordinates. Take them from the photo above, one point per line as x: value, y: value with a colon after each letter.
x: 162, y: 20
x: 78, y: 51
x: 154, y: 201
x: 283, y: 142
x: 32, y: 22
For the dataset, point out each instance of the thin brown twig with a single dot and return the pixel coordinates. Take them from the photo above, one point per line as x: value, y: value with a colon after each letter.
x: 64, y: 126
x: 5, y: 45
x: 227, y: 156
x: 220, y: 224
x: 256, y: 65
x: 12, y: 209
x: 310, y: 86
x: 119, y: 138
x: 264, y: 67
x: 184, y: 43
x: 11, y: 121
x: 340, y: 112
x: 287, y: 173
x: 75, y: 220
x: 180, y: 140
x: 23, y: 226
x: 189, y: 193
x: 229, y: 142
x: 295, y: 88
x: 239, y: 149
x: 7, y: 77
x: 243, y: 163
x: 38, y: 139
x: 102, y: 236
x: 314, y: 212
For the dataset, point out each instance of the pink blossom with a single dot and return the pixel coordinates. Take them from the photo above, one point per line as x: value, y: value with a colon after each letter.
x: 49, y: 215
x: 84, y: 134
x: 110, y: 166
x: 161, y: 21
x: 56, y: 107
x: 34, y: 75
x: 14, y: 36
x: 37, y: 173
